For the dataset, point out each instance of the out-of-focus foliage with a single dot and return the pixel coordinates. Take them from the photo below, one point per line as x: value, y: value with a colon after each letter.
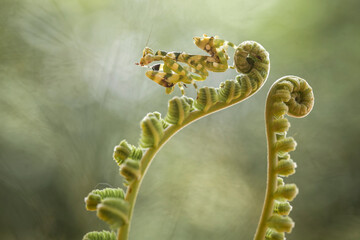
x: 70, y: 91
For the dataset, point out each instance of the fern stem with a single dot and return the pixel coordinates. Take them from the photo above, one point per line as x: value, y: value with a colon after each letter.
x: 292, y: 96
x: 252, y: 76
x: 252, y: 63
x: 271, y: 176
x: 133, y: 189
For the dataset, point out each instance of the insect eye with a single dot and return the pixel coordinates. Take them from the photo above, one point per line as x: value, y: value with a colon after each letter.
x: 147, y: 51
x: 156, y: 67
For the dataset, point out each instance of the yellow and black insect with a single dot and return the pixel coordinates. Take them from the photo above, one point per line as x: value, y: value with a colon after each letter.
x: 170, y: 72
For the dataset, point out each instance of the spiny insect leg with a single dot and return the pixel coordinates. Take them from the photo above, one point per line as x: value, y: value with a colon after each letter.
x: 195, y: 64
x: 180, y: 74
x: 201, y: 74
x: 218, y: 63
x: 159, y: 77
x: 168, y: 74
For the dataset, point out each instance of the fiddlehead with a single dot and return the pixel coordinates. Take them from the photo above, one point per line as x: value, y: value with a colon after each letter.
x: 291, y: 96
x: 134, y: 161
x: 251, y: 61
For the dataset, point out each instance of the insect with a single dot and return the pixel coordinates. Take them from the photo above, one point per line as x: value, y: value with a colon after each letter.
x: 194, y: 68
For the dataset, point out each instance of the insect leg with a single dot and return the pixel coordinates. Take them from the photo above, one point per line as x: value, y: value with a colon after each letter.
x: 197, y: 65
x: 181, y: 86
x: 180, y: 74
x: 195, y: 86
x: 167, y: 70
x: 168, y: 74
x: 219, y: 62
x: 159, y: 74
x: 159, y: 77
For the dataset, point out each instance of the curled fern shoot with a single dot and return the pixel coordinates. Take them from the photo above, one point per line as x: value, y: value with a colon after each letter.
x: 182, y: 111
x: 292, y: 96
x: 253, y: 64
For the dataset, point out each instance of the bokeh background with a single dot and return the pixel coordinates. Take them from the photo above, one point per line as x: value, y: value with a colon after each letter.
x: 70, y: 91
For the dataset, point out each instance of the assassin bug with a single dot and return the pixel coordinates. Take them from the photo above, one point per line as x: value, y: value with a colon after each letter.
x: 170, y: 72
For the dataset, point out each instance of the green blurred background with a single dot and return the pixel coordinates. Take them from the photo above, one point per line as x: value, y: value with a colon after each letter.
x: 70, y: 91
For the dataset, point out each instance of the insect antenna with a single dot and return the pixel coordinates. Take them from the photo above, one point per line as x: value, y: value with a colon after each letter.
x: 147, y: 41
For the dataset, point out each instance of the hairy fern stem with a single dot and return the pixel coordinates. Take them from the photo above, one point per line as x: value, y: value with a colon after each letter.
x: 271, y: 178
x: 291, y: 96
x: 133, y: 188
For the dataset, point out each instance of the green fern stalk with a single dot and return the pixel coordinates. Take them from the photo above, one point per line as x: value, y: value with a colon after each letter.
x: 251, y: 60
x: 183, y: 111
x: 291, y: 96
